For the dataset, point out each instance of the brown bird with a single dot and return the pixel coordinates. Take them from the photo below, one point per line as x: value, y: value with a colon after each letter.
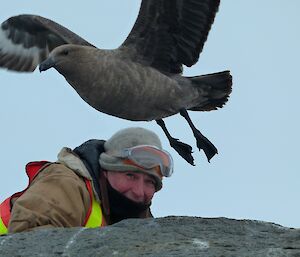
x: 140, y: 80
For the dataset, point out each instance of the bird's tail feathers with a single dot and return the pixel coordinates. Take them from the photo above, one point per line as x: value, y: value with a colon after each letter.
x: 215, y: 87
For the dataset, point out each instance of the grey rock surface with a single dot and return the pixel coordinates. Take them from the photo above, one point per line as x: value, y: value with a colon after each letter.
x: 165, y: 237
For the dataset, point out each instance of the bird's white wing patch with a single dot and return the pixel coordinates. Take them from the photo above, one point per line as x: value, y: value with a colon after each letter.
x: 16, y: 56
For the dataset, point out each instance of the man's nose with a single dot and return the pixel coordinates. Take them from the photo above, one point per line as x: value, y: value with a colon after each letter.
x: 138, y: 190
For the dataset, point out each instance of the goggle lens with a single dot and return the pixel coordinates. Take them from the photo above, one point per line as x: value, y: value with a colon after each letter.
x: 149, y: 157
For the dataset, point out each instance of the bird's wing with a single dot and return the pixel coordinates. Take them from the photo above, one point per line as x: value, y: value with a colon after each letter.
x: 27, y: 40
x: 169, y: 33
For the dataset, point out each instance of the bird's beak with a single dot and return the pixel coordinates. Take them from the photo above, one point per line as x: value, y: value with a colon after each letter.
x: 47, y: 64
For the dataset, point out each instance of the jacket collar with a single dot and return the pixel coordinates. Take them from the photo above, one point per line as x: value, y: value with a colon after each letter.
x: 71, y: 160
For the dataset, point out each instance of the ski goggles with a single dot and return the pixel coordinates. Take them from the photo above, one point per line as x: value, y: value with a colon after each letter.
x: 149, y: 157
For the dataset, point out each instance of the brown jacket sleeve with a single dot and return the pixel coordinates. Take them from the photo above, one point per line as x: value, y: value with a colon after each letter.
x: 56, y: 198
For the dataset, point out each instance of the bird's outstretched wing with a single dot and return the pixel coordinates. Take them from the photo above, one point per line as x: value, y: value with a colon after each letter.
x: 27, y: 40
x: 169, y: 33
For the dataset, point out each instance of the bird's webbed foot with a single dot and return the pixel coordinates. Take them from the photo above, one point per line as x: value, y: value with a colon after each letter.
x: 184, y: 150
x: 202, y: 142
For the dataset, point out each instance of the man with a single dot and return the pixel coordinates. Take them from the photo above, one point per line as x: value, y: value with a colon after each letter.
x: 96, y: 184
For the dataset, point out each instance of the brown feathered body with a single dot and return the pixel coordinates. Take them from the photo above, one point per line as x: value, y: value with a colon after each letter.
x: 112, y: 83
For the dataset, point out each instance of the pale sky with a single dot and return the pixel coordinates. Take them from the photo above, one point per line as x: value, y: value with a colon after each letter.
x: 256, y: 174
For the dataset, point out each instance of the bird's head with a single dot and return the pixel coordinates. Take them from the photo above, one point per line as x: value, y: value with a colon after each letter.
x: 63, y: 57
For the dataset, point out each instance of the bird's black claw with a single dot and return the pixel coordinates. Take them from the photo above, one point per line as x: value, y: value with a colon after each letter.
x: 184, y: 150
x: 203, y: 143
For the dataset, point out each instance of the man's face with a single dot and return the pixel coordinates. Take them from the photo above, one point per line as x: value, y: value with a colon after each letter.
x: 138, y: 187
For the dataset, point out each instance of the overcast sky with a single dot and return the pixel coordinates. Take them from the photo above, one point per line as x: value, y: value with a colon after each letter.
x: 256, y: 174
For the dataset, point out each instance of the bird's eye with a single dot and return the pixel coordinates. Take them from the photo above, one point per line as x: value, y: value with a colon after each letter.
x: 65, y: 52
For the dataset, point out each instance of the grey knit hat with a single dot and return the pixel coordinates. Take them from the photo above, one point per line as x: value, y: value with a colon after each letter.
x: 127, y: 138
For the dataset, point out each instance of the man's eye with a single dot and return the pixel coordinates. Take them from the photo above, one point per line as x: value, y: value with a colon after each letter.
x: 151, y: 182
x: 130, y: 175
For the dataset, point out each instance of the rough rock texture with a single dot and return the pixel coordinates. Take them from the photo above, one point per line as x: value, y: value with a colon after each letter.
x: 162, y: 237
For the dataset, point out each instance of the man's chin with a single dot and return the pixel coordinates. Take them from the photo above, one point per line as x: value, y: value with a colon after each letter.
x: 134, y: 199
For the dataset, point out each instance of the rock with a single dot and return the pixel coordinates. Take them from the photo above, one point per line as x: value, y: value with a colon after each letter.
x: 161, y: 237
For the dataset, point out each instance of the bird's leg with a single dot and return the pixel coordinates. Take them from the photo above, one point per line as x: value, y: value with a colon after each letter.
x: 184, y: 150
x: 202, y: 142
